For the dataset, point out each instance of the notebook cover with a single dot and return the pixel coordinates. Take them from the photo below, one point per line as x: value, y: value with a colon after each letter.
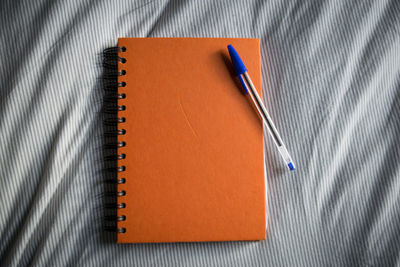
x: 194, y: 145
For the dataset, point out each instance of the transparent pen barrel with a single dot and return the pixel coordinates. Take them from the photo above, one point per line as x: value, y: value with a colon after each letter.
x: 256, y: 100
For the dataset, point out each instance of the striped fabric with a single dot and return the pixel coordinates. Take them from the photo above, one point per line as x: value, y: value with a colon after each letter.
x: 331, y: 80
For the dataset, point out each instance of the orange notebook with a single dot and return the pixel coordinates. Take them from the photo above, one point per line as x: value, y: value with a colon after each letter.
x: 194, y: 165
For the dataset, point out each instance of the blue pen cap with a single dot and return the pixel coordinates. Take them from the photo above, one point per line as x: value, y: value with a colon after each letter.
x: 237, y: 61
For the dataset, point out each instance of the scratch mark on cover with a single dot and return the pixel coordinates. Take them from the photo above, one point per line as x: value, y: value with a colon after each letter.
x: 186, y: 117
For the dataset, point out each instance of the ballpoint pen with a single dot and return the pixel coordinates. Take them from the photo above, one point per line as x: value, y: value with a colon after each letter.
x: 249, y: 88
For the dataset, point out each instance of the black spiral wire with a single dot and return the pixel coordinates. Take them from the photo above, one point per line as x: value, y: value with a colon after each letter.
x: 111, y: 59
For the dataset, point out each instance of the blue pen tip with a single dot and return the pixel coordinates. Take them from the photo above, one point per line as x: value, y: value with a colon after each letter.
x: 291, y: 166
x: 237, y: 61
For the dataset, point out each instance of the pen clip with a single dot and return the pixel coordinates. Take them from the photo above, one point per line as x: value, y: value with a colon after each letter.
x: 243, y: 84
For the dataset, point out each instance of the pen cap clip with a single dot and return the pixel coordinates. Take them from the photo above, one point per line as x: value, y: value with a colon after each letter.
x: 243, y: 84
x: 237, y: 61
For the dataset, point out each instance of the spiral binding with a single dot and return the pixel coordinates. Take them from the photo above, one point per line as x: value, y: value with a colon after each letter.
x: 111, y: 59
